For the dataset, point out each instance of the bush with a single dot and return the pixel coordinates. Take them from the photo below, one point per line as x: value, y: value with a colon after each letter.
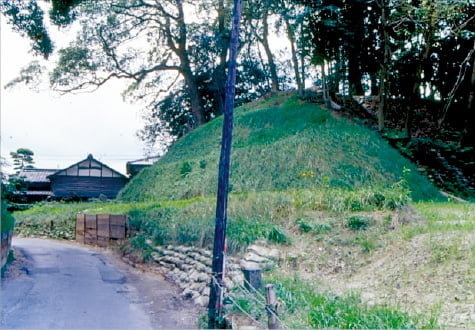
x: 358, y: 222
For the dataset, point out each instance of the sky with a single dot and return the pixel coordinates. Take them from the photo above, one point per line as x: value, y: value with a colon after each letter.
x: 63, y: 130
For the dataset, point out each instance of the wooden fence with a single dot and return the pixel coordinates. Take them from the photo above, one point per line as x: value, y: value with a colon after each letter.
x: 101, y: 229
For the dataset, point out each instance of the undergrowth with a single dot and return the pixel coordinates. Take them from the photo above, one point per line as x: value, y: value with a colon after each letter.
x: 304, y: 305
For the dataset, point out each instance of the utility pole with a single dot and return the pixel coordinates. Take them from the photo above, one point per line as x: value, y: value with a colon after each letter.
x: 215, y: 307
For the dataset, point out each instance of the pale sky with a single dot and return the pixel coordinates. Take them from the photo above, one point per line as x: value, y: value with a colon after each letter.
x: 62, y: 130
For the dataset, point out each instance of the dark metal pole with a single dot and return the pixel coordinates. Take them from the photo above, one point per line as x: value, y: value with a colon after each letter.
x: 216, y: 294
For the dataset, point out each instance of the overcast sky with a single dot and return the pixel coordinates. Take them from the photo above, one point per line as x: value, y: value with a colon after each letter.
x: 62, y: 130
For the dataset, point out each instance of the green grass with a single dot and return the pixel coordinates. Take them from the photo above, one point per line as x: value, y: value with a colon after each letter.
x: 448, y: 216
x: 293, y: 146
x: 304, y: 305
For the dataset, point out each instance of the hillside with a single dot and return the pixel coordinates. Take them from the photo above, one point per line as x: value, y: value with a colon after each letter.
x: 279, y: 144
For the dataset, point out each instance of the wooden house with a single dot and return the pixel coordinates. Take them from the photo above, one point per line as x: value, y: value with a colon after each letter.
x: 36, y: 185
x: 86, y: 179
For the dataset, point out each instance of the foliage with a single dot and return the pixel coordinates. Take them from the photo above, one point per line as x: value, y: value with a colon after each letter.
x: 7, y: 220
x: 26, y: 18
x: 406, y: 51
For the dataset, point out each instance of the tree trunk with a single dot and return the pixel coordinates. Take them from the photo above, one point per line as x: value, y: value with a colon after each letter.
x: 295, y: 62
x: 382, y: 101
x: 195, y: 99
x: 270, y: 58
x: 217, y: 268
x: 190, y: 79
x: 374, y: 84
x: 326, y: 91
x: 383, y: 83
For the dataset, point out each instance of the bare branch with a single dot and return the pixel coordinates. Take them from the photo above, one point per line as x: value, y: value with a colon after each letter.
x: 463, y: 69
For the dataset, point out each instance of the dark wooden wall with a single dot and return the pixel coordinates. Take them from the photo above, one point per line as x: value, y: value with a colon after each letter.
x: 86, y: 187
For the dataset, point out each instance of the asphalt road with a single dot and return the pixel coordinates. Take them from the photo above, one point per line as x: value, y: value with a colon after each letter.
x: 73, y: 287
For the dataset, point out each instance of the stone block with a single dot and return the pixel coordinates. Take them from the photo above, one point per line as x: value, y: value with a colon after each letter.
x: 250, y: 265
x: 201, y: 301
x: 264, y: 251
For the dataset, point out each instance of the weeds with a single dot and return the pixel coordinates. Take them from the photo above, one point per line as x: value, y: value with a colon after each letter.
x: 303, y: 305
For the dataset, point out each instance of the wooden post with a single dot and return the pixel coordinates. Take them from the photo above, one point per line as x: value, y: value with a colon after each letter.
x: 271, y: 307
x: 215, y: 307
x: 253, y: 279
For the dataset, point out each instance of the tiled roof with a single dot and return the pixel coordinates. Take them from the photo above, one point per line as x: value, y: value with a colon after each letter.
x: 36, y: 174
x: 35, y: 193
x: 144, y: 161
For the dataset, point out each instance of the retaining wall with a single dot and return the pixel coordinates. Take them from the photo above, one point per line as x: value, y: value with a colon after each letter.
x: 100, y: 229
x: 190, y: 268
x: 6, y: 245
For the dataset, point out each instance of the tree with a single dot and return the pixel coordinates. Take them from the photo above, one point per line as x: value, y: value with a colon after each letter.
x: 161, y: 55
x: 22, y: 158
x: 385, y: 65
x: 257, y: 15
x: 292, y: 17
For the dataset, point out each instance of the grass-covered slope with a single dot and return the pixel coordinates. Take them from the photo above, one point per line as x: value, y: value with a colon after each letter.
x: 279, y: 144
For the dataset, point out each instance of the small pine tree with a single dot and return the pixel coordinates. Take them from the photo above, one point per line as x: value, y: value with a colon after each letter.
x: 22, y: 158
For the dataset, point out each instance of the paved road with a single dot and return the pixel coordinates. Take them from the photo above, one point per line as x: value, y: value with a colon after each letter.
x: 71, y: 287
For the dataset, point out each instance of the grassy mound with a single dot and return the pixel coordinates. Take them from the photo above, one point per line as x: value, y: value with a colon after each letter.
x: 280, y: 144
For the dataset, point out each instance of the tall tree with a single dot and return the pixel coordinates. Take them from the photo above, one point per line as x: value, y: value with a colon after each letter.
x: 385, y: 65
x: 257, y: 16
x: 146, y: 42
x: 292, y: 17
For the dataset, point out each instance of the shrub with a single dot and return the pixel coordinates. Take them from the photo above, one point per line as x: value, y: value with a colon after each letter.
x: 186, y: 169
x: 358, y: 222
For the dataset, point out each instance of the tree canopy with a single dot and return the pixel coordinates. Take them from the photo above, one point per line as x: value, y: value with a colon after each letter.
x: 174, y: 54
